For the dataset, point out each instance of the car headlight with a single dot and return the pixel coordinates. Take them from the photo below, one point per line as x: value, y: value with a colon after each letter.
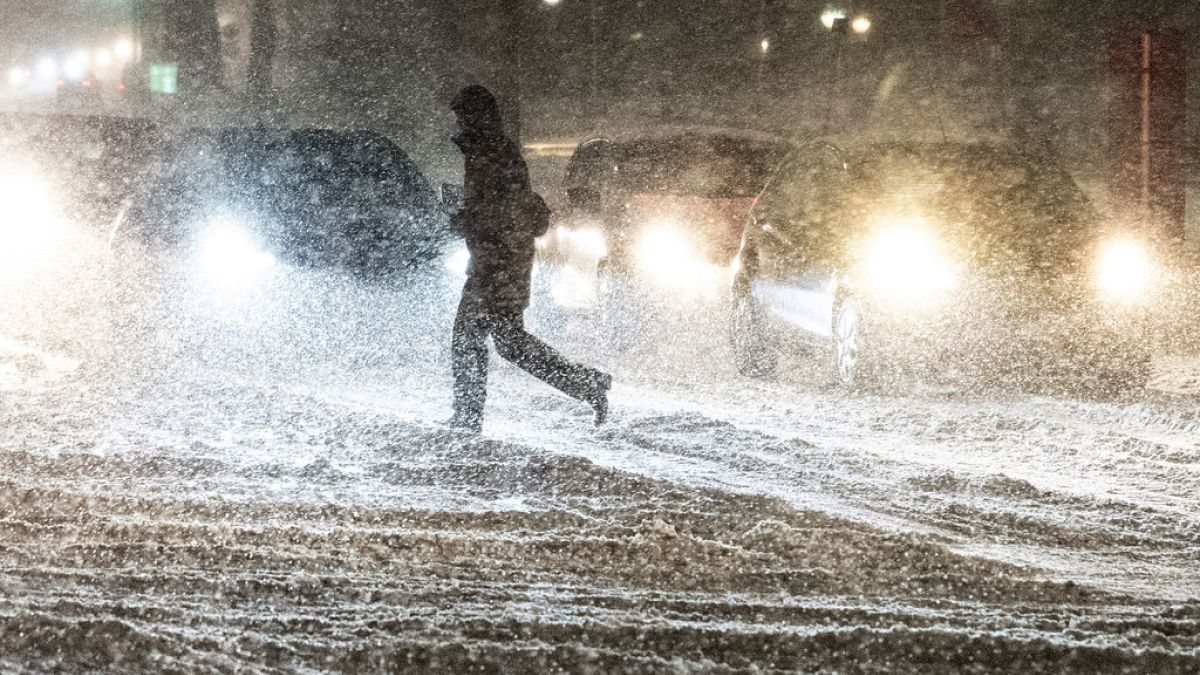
x: 1125, y: 270
x: 588, y: 242
x: 666, y: 256
x: 458, y: 261
x: 30, y: 227
x: 904, y: 262
x: 228, y: 254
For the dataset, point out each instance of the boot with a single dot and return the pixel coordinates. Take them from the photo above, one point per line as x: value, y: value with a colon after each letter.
x: 599, y: 398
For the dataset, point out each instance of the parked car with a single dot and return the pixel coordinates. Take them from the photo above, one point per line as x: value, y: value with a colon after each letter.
x: 656, y: 213
x: 312, y: 198
x: 941, y: 257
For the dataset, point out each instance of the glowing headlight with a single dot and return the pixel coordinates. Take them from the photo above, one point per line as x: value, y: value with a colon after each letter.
x: 30, y: 228
x: 458, y: 262
x: 670, y: 260
x: 903, y: 262
x: 227, y: 254
x: 588, y: 242
x: 1125, y: 270
x: 664, y: 252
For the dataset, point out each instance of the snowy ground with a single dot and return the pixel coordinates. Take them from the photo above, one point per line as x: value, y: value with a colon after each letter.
x: 220, y: 483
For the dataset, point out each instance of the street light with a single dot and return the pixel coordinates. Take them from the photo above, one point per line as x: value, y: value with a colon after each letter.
x: 861, y: 24
x: 552, y: 3
x: 831, y: 16
x: 766, y: 45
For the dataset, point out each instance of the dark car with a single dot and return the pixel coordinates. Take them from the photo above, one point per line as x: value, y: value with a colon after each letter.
x: 940, y: 257
x: 658, y: 211
x: 315, y: 198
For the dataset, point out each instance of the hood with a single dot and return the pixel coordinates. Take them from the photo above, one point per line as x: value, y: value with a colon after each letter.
x: 478, y: 112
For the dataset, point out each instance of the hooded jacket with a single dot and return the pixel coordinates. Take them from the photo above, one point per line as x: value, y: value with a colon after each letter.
x: 496, y: 178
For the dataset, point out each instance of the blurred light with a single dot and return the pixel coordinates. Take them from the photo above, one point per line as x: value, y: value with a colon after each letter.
x: 18, y: 76
x: 902, y: 261
x: 831, y: 15
x: 552, y: 3
x: 1124, y: 270
x: 29, y: 226
x: 637, y: 36
x: 47, y: 69
x: 228, y: 255
x: 124, y: 49
x: 766, y: 45
x: 103, y: 58
x: 76, y: 67
x: 588, y: 242
x: 458, y: 262
x: 861, y: 24
x: 670, y: 260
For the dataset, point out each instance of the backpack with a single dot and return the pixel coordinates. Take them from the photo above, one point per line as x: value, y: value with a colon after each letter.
x: 530, y: 210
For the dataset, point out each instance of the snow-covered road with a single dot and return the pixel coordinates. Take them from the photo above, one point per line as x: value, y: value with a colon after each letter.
x: 264, y: 488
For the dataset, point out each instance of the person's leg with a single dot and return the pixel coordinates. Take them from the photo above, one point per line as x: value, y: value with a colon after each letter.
x: 545, y: 363
x: 470, y: 355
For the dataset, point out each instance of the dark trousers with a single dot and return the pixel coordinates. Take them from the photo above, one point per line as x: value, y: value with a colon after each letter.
x: 474, y: 323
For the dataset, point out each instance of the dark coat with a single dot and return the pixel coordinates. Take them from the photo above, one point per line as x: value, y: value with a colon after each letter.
x: 496, y: 180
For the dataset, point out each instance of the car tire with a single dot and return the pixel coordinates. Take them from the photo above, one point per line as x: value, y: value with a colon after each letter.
x: 754, y: 350
x: 857, y: 366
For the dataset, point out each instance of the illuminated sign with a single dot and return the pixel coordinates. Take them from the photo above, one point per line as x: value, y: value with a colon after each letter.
x: 164, y: 78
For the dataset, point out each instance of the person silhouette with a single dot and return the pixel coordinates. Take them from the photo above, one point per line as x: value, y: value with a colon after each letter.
x: 500, y: 219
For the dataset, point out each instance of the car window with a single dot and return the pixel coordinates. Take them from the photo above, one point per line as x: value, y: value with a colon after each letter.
x: 586, y: 174
x: 709, y: 167
x: 803, y: 193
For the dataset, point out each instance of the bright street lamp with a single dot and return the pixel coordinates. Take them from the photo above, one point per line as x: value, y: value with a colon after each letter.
x: 861, y: 24
x: 831, y: 16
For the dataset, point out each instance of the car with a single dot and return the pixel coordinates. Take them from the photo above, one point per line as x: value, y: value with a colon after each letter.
x: 657, y: 212
x: 941, y: 258
x: 347, y: 201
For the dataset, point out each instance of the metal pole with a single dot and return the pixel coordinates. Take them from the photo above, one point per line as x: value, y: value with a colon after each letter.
x: 1147, y: 84
x: 595, y: 74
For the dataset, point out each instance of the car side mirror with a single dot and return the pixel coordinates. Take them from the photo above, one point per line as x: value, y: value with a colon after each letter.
x: 453, y: 197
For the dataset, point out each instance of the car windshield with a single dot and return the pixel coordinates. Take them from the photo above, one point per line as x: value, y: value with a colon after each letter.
x: 994, y: 198
x: 716, y: 168
x: 347, y: 168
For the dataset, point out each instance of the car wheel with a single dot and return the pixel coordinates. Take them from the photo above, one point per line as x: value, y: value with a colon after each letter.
x: 754, y: 350
x: 857, y: 365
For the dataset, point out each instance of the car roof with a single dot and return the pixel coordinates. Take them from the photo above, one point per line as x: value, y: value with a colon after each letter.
x: 670, y: 132
x: 857, y: 152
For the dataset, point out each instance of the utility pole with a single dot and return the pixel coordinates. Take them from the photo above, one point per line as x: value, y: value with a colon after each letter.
x: 263, y: 43
x: 595, y: 18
